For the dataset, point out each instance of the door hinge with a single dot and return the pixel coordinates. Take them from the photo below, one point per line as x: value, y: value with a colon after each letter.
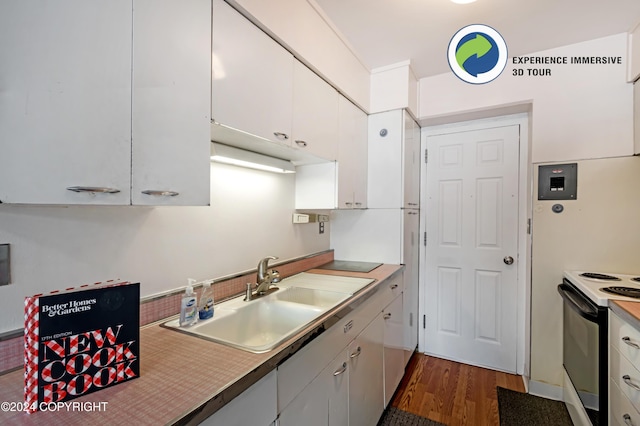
x: 424, y: 321
x: 529, y: 226
x: 425, y: 238
x: 426, y: 156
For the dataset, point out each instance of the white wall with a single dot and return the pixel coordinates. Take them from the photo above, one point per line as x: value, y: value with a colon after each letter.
x: 579, y: 112
x: 394, y: 87
x: 600, y: 231
x: 305, y: 32
x: 58, y: 247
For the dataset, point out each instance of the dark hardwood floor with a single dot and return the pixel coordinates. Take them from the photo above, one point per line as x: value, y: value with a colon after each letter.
x: 452, y: 393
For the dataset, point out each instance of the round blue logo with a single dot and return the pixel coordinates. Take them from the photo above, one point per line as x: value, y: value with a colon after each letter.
x: 477, y: 54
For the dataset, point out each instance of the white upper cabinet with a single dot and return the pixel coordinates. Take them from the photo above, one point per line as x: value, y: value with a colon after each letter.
x: 411, y: 163
x: 171, y: 102
x: 341, y: 184
x: 87, y: 115
x: 252, y: 88
x: 65, y: 104
x: 315, y: 113
x: 394, y: 161
x: 352, y: 156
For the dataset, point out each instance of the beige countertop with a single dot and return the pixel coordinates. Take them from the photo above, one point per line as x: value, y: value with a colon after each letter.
x: 183, y: 379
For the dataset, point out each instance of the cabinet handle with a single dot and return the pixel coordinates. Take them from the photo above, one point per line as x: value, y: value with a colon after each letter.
x: 356, y: 353
x: 627, y: 340
x: 340, y: 370
x: 627, y: 420
x: 358, y: 204
x: 387, y: 315
x: 102, y: 190
x: 629, y: 383
x: 394, y: 286
x: 348, y: 203
x: 302, y: 144
x: 161, y: 193
x: 281, y: 135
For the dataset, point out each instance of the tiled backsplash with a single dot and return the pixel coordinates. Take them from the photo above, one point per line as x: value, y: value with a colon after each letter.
x: 155, y: 309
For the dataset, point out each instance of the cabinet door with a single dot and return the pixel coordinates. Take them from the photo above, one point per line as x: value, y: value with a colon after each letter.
x: 393, y: 347
x: 254, y: 406
x: 252, y: 77
x: 315, y: 114
x: 411, y: 163
x: 385, y: 176
x: 366, y: 382
x: 65, y: 109
x: 171, y: 102
x: 352, y: 156
x: 410, y: 258
x: 324, y: 401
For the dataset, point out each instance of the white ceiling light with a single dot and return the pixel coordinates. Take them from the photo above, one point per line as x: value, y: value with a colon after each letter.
x: 238, y: 157
x: 463, y: 1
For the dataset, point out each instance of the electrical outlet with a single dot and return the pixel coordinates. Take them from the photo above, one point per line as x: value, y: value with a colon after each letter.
x: 5, y: 270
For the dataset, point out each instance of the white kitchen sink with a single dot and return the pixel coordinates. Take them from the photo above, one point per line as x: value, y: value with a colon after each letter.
x: 262, y: 324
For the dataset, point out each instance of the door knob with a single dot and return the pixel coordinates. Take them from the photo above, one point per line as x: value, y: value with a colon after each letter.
x: 508, y: 260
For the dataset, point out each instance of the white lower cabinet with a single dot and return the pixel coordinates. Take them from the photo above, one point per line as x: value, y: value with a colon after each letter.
x: 324, y: 401
x: 624, y: 372
x: 340, y: 378
x: 255, y: 406
x: 394, y: 360
x: 366, y: 390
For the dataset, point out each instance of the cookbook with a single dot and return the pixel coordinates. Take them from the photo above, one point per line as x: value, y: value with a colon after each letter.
x: 80, y: 340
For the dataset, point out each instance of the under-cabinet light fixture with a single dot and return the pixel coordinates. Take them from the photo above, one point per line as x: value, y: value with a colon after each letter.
x: 239, y: 157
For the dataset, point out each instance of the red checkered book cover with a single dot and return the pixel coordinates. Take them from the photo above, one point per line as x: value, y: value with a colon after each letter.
x: 80, y: 340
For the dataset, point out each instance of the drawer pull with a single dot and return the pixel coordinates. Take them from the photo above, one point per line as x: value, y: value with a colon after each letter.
x: 627, y: 420
x: 627, y: 340
x: 94, y: 189
x: 340, y: 370
x: 160, y: 193
x: 629, y: 383
x: 387, y: 316
x: 393, y: 287
x: 356, y: 353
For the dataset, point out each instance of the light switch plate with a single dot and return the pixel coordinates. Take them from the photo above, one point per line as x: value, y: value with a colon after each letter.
x: 5, y: 262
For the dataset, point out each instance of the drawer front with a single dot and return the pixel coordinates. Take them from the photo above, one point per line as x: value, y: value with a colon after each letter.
x: 626, y: 376
x: 625, y: 338
x: 622, y: 412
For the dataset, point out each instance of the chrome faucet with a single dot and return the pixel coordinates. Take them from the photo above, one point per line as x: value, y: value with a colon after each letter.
x: 265, y: 279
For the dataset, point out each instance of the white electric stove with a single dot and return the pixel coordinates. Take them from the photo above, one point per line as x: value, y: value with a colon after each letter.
x: 602, y: 287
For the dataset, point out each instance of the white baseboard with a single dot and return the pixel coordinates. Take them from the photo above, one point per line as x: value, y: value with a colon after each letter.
x: 545, y: 390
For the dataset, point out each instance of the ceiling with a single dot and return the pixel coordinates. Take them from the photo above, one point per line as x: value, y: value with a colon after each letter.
x: 385, y: 32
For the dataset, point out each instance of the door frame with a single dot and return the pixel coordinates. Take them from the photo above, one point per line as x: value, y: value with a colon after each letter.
x: 523, y: 328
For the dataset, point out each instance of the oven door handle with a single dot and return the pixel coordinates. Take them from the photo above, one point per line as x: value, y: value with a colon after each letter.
x: 578, y: 302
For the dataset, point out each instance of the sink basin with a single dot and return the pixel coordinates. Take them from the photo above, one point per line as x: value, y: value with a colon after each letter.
x: 262, y: 324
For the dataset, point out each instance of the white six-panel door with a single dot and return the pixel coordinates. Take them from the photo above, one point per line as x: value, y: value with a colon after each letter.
x: 472, y: 232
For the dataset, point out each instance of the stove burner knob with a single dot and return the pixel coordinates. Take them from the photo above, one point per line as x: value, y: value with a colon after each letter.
x: 508, y: 260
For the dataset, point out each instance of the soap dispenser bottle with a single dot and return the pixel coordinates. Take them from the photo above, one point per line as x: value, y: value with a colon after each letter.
x: 189, y: 306
x: 205, y: 307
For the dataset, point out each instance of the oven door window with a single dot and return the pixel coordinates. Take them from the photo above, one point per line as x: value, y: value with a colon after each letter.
x: 581, y: 356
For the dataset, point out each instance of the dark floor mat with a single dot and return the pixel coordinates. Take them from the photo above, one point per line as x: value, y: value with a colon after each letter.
x: 522, y: 409
x: 395, y: 417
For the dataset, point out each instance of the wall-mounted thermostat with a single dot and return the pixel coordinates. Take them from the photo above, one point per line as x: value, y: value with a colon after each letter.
x: 558, y: 182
